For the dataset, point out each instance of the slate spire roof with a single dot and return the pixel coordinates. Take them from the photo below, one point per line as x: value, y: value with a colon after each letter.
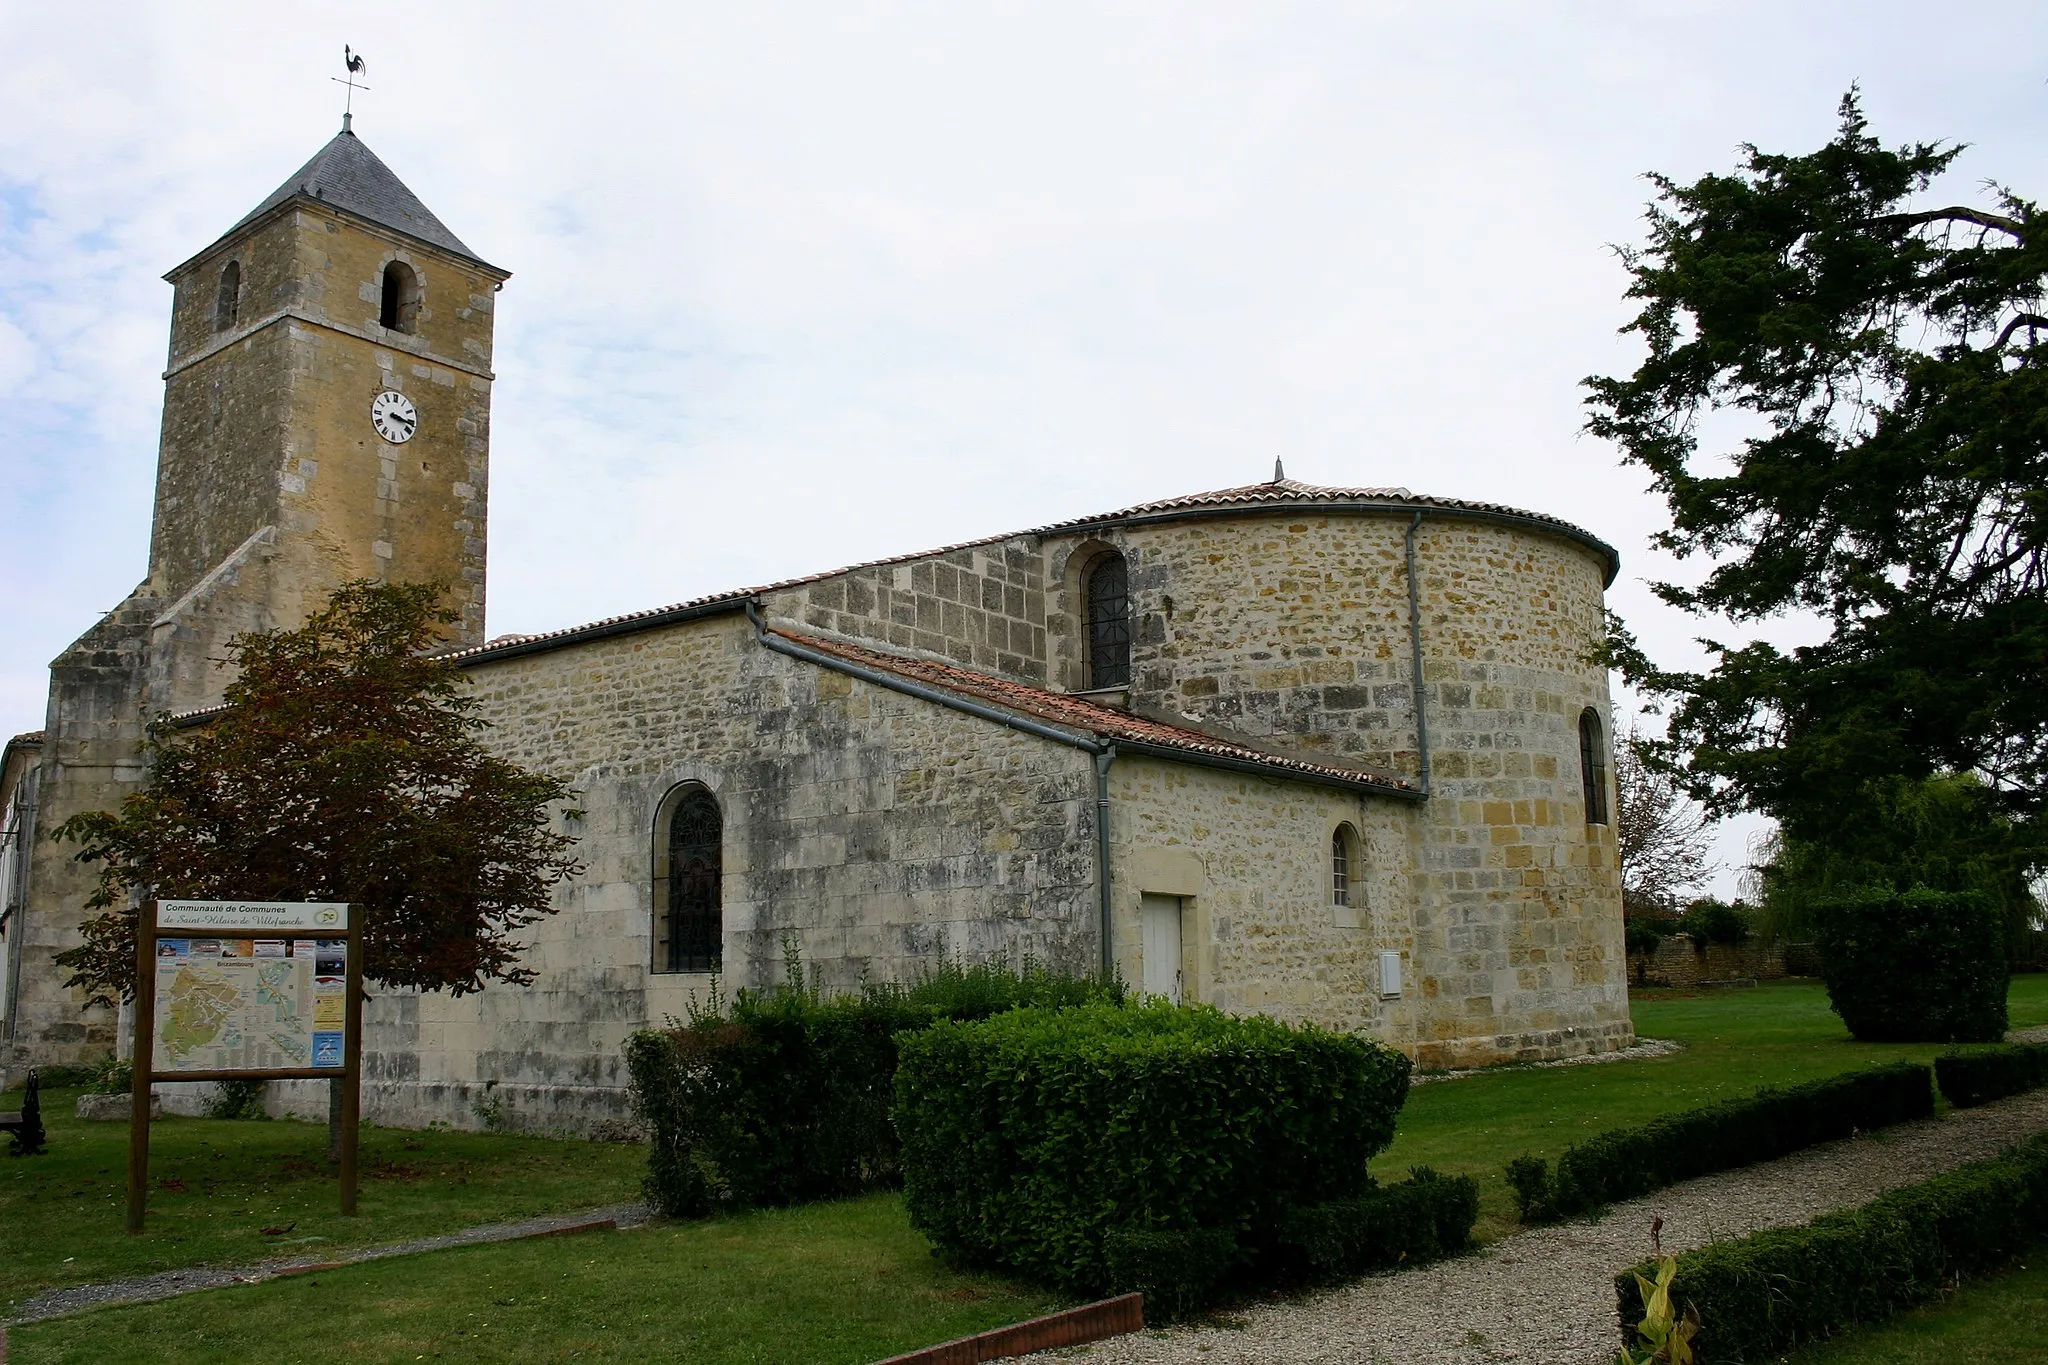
x: 349, y: 176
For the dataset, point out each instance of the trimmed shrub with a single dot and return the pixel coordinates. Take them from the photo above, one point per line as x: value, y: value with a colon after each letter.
x: 785, y: 1097
x: 1915, y: 966
x: 1425, y: 1217
x: 1177, y: 1272
x: 1773, y: 1290
x: 1626, y: 1162
x: 1028, y: 1138
x: 1972, y: 1078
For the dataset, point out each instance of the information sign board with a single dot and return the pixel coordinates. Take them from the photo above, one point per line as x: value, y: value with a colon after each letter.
x: 233, y: 990
x: 331, y: 916
x: 250, y: 1004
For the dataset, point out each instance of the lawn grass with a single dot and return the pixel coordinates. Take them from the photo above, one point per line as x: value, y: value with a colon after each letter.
x: 2002, y: 1320
x: 214, y: 1185
x: 827, y: 1284
x: 1779, y: 1033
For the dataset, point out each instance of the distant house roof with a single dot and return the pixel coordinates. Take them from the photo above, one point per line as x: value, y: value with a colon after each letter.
x: 1104, y: 722
x: 1281, y: 495
x: 347, y: 175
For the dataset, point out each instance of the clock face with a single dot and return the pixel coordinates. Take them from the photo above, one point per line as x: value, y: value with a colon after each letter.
x: 394, y: 416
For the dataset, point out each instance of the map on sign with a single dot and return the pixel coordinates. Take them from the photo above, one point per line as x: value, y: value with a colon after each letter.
x: 227, y: 1004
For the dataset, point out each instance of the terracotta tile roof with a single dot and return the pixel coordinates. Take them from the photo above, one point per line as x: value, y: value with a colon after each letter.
x: 1093, y: 717
x: 1282, y: 493
x: 31, y: 737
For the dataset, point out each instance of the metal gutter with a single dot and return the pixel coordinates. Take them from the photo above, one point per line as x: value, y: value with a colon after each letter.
x: 1415, y: 658
x: 1102, y: 761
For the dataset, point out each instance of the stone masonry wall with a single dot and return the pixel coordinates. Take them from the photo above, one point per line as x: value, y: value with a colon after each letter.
x: 1250, y: 859
x: 881, y: 832
x: 268, y: 422
x: 983, y: 607
x: 1295, y: 628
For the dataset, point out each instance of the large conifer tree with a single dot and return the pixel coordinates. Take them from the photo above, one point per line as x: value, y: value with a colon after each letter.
x: 1887, y: 365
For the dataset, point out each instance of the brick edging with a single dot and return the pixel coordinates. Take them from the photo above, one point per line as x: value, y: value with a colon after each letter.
x: 1073, y: 1327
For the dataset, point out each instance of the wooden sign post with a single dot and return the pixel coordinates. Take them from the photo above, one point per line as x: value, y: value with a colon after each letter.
x: 244, y: 991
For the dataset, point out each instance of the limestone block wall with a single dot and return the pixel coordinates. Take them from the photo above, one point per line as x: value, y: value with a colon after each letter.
x: 879, y: 831
x: 1295, y: 628
x: 1250, y: 859
x: 982, y: 606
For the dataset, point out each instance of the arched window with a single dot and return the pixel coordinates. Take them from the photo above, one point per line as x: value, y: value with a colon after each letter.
x: 1593, y: 766
x: 401, y: 297
x: 1347, y: 878
x: 689, y: 930
x: 1109, y: 623
x: 1344, y: 868
x: 227, y: 305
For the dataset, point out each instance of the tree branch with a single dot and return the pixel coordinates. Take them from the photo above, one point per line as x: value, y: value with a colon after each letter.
x: 2029, y: 320
x: 1955, y: 213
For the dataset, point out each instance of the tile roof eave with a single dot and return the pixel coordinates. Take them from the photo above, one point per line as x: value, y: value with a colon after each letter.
x: 1125, y: 731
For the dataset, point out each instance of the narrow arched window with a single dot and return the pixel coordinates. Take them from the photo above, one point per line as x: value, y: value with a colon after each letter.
x: 1593, y: 766
x: 401, y: 297
x: 227, y: 304
x: 1109, y: 623
x: 1343, y: 864
x: 689, y: 927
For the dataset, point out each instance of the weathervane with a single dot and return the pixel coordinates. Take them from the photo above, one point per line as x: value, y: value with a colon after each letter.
x: 356, y: 66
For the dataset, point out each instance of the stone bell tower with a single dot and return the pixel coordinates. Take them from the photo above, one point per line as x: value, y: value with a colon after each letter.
x: 326, y: 418
x: 326, y: 410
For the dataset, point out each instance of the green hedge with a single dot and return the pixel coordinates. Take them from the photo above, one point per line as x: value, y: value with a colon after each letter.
x: 1083, y: 1148
x: 785, y: 1098
x: 1973, y: 1078
x: 1626, y: 1162
x: 1421, y: 1219
x: 1915, y: 966
x: 1773, y: 1290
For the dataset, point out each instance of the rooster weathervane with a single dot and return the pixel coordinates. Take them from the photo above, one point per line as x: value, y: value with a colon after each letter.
x: 353, y: 62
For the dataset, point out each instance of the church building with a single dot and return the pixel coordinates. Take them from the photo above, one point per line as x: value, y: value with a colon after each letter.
x: 1331, y: 754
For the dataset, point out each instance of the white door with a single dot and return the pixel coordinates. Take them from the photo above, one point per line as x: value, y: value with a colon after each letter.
x: 1162, y: 945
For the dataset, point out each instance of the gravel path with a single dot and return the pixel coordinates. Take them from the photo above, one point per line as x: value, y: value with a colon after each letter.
x: 1546, y: 1297
x: 56, y: 1303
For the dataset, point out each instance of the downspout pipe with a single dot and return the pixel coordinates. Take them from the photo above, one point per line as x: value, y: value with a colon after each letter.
x: 1103, y: 758
x: 1104, y: 754
x: 1415, y: 659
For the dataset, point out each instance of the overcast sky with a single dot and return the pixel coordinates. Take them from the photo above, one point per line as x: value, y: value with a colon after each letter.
x: 799, y: 285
